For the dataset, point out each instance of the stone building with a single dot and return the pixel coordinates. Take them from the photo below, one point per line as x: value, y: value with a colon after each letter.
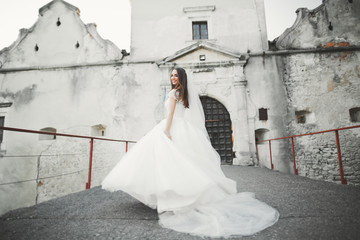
x: 61, y: 76
x: 321, y: 74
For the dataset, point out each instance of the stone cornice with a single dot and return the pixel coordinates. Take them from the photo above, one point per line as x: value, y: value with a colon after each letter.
x: 301, y: 51
x: 191, y: 65
x: 199, y: 9
x: 240, y: 83
x: 204, y: 64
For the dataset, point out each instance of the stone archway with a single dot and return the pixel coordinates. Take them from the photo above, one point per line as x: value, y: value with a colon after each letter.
x: 218, y: 125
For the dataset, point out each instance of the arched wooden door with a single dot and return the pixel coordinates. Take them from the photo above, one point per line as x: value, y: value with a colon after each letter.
x: 218, y: 126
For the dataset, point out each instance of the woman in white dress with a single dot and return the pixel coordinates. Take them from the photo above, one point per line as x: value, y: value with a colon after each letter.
x: 175, y: 170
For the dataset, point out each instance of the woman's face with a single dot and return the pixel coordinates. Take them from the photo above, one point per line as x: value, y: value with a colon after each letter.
x: 174, y: 77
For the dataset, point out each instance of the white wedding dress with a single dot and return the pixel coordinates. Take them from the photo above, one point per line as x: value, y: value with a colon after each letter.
x: 182, y: 179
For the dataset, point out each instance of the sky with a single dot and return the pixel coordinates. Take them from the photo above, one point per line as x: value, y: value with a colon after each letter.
x: 112, y: 17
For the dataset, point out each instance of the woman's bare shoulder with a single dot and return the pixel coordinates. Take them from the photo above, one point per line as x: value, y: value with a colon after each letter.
x: 174, y: 93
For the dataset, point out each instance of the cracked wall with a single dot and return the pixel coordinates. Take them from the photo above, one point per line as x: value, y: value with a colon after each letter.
x: 71, y: 101
x: 327, y: 86
x: 334, y: 23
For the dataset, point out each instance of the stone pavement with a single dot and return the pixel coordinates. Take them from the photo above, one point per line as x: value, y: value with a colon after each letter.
x: 309, y: 209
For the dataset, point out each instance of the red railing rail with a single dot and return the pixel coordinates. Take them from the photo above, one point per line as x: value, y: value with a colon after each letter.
x: 336, y: 131
x: 88, y: 184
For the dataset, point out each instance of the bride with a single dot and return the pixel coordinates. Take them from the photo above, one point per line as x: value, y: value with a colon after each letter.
x: 175, y: 170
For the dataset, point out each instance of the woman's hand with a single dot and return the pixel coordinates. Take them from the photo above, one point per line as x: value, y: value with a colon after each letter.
x: 167, y: 133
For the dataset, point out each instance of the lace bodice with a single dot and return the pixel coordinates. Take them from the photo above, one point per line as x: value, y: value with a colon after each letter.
x: 179, y: 109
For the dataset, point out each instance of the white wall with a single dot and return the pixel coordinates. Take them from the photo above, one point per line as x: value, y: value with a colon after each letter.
x: 63, y: 87
x: 57, y: 44
x: 266, y: 90
x: 161, y: 27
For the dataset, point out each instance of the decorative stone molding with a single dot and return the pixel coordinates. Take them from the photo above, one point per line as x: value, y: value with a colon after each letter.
x: 5, y: 104
x: 206, y: 45
x: 199, y: 9
x: 240, y: 83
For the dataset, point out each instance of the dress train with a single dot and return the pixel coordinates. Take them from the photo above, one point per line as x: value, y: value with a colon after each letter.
x: 182, y: 179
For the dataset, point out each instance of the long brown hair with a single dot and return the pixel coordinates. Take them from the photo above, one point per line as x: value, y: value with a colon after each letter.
x: 181, y: 86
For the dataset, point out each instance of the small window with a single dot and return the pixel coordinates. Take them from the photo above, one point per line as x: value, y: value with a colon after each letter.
x: 355, y: 114
x: 2, y: 121
x: 305, y: 116
x: 263, y: 115
x: 300, y: 117
x: 200, y: 30
x: 98, y: 130
x: 261, y: 134
x: 47, y: 136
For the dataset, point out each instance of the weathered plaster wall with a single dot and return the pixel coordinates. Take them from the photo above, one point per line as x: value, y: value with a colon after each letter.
x: 160, y: 33
x: 124, y: 99
x: 266, y: 90
x: 325, y: 86
x: 70, y: 88
x: 47, y: 44
x: 334, y: 21
x: 322, y: 86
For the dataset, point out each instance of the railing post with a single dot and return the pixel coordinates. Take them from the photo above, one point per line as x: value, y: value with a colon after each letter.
x: 271, y: 164
x: 343, y: 180
x: 126, y: 148
x: 293, y: 154
x: 87, y: 186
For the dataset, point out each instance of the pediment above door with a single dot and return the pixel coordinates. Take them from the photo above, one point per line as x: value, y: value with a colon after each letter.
x: 203, y: 53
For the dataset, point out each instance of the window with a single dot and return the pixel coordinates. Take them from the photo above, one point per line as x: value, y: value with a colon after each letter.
x: 47, y: 136
x: 305, y: 116
x: 355, y: 114
x: 263, y: 115
x: 261, y: 134
x: 300, y: 116
x: 98, y: 130
x: 200, y: 30
x: 4, y: 107
x: 2, y: 121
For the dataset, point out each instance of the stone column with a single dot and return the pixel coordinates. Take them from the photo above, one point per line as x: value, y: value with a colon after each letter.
x: 251, y: 115
x: 240, y: 126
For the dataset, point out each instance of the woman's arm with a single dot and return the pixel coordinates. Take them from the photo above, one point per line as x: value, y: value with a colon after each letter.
x: 172, y: 105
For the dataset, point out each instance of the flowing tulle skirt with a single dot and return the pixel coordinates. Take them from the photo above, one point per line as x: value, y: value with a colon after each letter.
x: 183, y: 180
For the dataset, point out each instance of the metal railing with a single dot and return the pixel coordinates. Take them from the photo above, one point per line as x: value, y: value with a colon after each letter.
x: 88, y: 184
x: 336, y: 131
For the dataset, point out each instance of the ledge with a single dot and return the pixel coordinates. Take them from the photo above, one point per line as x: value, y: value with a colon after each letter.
x: 199, y: 9
x: 309, y: 50
x: 74, y: 66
